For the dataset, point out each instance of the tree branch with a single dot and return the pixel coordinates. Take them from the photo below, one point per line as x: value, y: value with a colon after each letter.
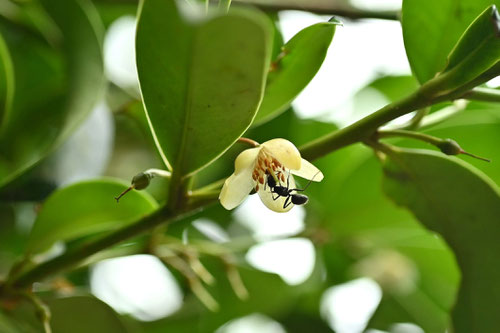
x: 74, y: 255
x: 332, y: 8
x: 431, y: 92
x: 428, y: 94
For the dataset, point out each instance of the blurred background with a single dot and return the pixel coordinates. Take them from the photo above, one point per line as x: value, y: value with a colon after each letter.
x: 350, y: 261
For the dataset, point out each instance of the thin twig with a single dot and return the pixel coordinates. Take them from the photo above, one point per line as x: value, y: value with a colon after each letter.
x: 332, y: 8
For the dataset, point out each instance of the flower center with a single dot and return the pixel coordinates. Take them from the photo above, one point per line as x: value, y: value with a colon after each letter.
x: 267, y: 166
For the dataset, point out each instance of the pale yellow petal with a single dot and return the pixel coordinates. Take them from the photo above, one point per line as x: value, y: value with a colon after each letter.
x: 276, y: 205
x: 285, y: 152
x: 236, y: 188
x: 246, y: 160
x: 308, y: 171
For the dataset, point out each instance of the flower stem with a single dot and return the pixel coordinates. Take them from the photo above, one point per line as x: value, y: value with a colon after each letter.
x: 444, y: 113
x: 248, y: 141
x: 42, y: 310
x: 409, y: 134
x: 483, y: 94
x: 439, y: 89
x: 447, y: 146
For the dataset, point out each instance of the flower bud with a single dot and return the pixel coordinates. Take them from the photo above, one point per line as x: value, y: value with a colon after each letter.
x: 141, y: 181
x: 450, y: 147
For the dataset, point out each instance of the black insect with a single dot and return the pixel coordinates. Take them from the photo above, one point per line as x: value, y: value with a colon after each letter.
x: 282, y: 191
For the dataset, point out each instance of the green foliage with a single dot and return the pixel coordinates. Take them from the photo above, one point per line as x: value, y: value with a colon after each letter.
x: 197, y: 76
x: 86, y: 208
x: 477, y: 51
x: 431, y: 30
x: 83, y: 314
x: 480, y: 40
x: 269, y: 295
x: 55, y: 87
x: 6, y: 84
x: 463, y: 205
x: 293, y: 68
x: 207, y: 76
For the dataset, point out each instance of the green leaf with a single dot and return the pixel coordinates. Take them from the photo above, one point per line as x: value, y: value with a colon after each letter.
x: 82, y: 30
x: 85, y: 208
x: 83, y: 314
x: 20, y: 319
x: 55, y: 88
x: 477, y: 52
x: 294, y: 68
x: 480, y: 37
x: 352, y: 209
x: 454, y: 199
x: 6, y: 83
x: 395, y: 87
x: 201, y: 79
x: 432, y: 28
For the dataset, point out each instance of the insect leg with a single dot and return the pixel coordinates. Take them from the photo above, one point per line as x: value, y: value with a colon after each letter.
x: 288, y: 202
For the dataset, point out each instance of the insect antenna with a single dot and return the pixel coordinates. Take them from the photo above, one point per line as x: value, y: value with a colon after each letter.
x: 309, y: 183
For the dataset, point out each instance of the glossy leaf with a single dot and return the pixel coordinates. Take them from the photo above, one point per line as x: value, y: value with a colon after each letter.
x: 459, y: 202
x: 55, y: 89
x: 85, y: 208
x: 432, y: 28
x: 201, y: 79
x: 477, y: 52
x: 395, y: 87
x: 296, y: 65
x: 481, y: 36
x: 83, y: 314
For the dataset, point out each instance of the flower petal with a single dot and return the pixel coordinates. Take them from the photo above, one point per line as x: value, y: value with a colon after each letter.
x: 285, y: 152
x: 308, y: 171
x: 276, y: 205
x: 236, y: 188
x: 246, y: 159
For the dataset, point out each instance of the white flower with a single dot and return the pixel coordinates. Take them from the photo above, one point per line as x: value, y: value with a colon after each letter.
x: 277, y: 158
